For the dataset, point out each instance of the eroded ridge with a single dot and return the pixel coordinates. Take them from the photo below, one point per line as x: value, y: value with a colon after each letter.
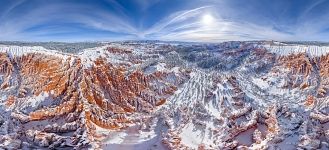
x: 135, y: 95
x: 50, y: 95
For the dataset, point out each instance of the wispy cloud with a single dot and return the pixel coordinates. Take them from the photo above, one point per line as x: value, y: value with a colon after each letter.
x: 175, y: 20
x: 58, y: 16
x: 188, y: 26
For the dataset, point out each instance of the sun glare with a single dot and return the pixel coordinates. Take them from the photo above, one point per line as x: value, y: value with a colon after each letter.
x: 207, y: 19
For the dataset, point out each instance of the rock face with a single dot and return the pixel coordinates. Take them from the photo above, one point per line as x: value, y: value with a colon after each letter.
x: 135, y: 95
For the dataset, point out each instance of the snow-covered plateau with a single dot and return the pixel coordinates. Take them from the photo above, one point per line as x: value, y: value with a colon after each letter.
x: 159, y: 96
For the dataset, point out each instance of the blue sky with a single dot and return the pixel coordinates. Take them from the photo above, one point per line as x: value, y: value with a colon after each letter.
x: 180, y: 20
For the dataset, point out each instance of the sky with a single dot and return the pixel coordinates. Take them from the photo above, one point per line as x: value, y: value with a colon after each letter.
x: 169, y: 20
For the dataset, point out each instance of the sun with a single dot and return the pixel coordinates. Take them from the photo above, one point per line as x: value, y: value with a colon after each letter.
x: 207, y: 19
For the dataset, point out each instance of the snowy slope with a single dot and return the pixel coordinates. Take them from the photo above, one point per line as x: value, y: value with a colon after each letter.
x: 160, y: 95
x: 311, y: 50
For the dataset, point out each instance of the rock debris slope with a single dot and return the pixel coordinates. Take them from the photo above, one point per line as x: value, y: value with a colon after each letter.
x: 153, y: 95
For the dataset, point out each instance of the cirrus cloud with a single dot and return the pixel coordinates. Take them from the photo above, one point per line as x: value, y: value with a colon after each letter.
x: 181, y: 20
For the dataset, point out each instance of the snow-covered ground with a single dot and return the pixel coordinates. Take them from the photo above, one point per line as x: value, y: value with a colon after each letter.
x: 311, y: 50
x: 249, y: 99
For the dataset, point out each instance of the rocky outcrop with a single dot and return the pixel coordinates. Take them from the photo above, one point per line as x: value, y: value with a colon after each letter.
x: 237, y: 95
x: 323, y: 118
x: 103, y: 95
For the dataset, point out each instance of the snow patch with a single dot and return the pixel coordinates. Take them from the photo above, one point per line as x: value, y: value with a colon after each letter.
x: 33, y: 103
x: 19, y: 51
